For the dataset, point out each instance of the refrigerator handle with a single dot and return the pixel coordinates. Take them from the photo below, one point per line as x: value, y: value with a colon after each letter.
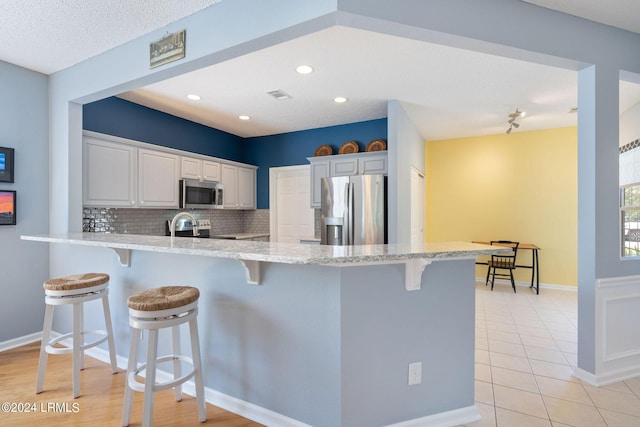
x: 349, y: 213
x: 346, y: 232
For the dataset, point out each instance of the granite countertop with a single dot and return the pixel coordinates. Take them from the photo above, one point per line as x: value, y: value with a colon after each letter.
x: 240, y: 236
x: 286, y: 253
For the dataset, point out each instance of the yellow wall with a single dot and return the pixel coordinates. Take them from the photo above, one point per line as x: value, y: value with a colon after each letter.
x: 522, y: 186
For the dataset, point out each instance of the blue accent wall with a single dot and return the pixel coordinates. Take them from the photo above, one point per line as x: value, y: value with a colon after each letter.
x: 118, y: 117
x: 289, y: 149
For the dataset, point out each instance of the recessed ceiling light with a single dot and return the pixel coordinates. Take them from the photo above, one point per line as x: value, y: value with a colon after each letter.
x: 243, y: 117
x: 340, y: 99
x: 194, y: 97
x: 304, y: 69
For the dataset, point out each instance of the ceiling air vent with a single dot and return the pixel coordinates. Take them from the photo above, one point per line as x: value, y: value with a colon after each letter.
x: 278, y: 94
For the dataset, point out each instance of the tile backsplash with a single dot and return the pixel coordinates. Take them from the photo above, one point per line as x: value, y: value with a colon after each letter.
x: 152, y: 221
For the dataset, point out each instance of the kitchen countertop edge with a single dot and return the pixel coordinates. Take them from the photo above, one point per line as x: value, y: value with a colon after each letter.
x: 285, y: 253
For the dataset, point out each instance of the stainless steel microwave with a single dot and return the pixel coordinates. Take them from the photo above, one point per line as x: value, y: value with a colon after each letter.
x: 201, y: 194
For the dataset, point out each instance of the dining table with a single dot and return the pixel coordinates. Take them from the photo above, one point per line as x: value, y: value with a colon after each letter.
x: 534, y: 266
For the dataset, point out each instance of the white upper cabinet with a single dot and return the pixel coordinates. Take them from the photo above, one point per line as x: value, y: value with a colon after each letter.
x: 210, y: 171
x: 158, y: 175
x: 201, y: 170
x: 247, y: 188
x: 318, y: 171
x: 371, y: 163
x: 119, y: 172
x: 239, y: 186
x: 229, y: 178
x: 109, y: 174
x: 359, y: 164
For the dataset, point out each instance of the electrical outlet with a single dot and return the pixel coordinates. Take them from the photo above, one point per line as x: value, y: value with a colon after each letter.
x: 415, y: 373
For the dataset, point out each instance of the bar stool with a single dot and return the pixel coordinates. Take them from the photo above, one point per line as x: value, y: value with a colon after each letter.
x: 154, y: 309
x: 76, y: 290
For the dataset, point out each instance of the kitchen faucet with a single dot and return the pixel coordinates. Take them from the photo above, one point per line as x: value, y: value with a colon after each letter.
x: 172, y: 227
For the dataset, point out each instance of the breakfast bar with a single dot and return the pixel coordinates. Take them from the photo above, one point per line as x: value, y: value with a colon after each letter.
x: 309, y: 335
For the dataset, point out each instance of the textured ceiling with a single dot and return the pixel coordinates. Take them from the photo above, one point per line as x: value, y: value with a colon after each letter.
x: 623, y: 14
x: 50, y: 35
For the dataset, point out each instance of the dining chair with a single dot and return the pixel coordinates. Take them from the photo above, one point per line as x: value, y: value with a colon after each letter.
x: 502, y: 262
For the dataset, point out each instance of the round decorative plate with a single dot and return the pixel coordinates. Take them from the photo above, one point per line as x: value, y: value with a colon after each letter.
x: 324, y: 150
x: 376, y: 145
x: 349, y: 147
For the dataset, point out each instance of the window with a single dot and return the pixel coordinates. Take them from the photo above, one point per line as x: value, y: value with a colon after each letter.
x: 630, y: 219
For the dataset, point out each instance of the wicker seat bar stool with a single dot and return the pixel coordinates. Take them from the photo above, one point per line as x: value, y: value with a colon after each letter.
x: 76, y: 290
x: 152, y: 310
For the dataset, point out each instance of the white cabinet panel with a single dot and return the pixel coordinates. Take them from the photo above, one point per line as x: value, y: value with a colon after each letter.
x: 158, y: 175
x: 373, y: 164
x: 109, y: 174
x: 319, y: 170
x: 210, y: 171
x: 239, y: 187
x: 229, y: 178
x: 192, y: 168
x: 247, y: 188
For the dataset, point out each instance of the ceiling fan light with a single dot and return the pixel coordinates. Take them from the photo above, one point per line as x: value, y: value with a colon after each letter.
x: 515, y: 125
x: 509, y: 130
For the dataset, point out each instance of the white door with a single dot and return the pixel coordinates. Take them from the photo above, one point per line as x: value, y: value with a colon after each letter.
x: 291, y: 217
x: 417, y: 206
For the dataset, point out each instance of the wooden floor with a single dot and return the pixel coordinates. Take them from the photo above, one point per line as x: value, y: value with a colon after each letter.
x: 100, y: 402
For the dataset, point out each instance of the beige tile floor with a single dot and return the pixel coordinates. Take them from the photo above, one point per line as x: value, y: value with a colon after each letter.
x: 526, y: 346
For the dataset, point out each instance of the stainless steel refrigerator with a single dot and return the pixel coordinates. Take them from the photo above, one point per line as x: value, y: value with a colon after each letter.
x: 353, y: 210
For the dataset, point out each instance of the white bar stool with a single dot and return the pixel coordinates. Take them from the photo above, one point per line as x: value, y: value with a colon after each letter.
x: 76, y: 290
x: 153, y: 309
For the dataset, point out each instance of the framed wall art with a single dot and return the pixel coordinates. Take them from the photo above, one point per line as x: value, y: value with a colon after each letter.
x: 7, y: 207
x: 6, y: 164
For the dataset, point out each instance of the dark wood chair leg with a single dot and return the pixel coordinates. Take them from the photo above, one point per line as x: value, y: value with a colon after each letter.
x: 513, y: 283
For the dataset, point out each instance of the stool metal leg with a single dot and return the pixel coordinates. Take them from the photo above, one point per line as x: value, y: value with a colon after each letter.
x: 78, y: 342
x: 197, y: 365
x: 46, y: 333
x: 131, y: 367
x: 177, y: 372
x: 150, y: 379
x: 109, y: 328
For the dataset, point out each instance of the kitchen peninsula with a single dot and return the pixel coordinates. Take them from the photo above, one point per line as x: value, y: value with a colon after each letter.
x: 327, y: 336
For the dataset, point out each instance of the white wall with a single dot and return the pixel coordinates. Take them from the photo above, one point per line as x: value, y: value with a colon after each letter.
x: 24, y: 266
x: 406, y: 150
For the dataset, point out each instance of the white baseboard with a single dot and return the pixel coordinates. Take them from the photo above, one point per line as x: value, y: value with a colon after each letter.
x: 457, y: 417
x: 20, y: 341
x: 521, y: 284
